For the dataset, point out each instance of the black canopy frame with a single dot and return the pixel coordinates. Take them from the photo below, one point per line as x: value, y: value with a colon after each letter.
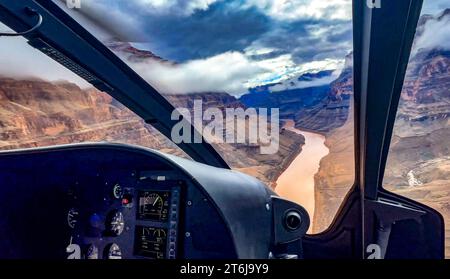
x: 65, y: 40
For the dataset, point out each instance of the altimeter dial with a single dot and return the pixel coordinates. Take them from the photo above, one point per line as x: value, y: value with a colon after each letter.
x: 116, y: 223
x: 92, y: 252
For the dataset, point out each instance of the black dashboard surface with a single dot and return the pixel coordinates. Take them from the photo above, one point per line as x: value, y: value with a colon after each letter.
x: 115, y: 201
x: 105, y: 202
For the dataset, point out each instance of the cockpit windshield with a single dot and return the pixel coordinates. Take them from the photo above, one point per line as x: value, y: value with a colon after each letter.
x: 344, y: 120
x: 267, y: 83
x: 285, y: 65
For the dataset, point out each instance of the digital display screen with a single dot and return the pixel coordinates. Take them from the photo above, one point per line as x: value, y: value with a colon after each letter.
x: 150, y: 242
x: 153, y: 205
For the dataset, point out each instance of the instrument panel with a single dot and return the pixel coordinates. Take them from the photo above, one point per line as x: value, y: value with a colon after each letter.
x: 115, y: 201
x: 144, y: 212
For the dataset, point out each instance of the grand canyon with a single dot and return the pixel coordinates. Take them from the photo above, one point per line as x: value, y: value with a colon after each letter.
x: 36, y: 112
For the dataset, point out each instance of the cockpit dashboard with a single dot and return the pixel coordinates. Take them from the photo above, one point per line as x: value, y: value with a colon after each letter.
x: 114, y: 201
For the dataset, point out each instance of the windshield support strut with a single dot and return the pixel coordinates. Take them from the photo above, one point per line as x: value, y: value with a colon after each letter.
x: 66, y: 40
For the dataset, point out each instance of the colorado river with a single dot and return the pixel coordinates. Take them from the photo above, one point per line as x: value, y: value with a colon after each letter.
x: 296, y: 183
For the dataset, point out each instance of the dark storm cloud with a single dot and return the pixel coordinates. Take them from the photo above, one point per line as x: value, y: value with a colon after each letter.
x: 345, y: 34
x: 205, y: 33
x: 310, y: 40
x: 269, y: 55
x: 231, y: 26
x: 186, y: 30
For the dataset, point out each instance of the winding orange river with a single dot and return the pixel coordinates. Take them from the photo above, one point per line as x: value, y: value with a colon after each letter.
x: 296, y: 183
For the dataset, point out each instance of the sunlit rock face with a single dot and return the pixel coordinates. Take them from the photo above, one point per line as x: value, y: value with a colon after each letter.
x: 336, y: 173
x: 420, y: 153
x: 39, y: 113
x: 419, y: 163
x: 131, y: 53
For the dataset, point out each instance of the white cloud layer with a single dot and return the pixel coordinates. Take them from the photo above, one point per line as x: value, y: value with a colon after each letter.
x: 294, y: 83
x: 226, y: 72
x: 283, y: 70
x: 231, y: 72
x: 106, y: 22
x: 301, y: 9
x: 279, y: 9
x: 436, y: 35
x: 20, y: 60
x: 180, y: 7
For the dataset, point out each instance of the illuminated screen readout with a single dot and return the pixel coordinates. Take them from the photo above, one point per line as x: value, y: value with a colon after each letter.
x: 153, y: 205
x: 150, y: 242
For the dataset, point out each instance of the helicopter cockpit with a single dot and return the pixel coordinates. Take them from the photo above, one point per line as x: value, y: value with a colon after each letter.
x: 104, y: 200
x: 115, y: 201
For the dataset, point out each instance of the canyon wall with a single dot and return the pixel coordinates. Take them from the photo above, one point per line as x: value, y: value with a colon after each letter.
x: 39, y: 113
x: 418, y: 165
x: 336, y: 173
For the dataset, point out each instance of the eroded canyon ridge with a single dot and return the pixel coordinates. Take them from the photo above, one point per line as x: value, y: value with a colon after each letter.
x: 35, y: 112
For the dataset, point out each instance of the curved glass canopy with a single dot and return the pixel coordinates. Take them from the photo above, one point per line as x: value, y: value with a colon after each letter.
x: 267, y: 83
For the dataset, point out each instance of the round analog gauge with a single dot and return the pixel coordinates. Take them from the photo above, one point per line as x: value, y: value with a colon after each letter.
x: 117, y: 191
x: 116, y: 223
x: 113, y: 252
x: 92, y: 252
x: 72, y: 216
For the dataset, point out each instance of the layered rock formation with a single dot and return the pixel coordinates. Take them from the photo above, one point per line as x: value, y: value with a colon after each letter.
x: 336, y: 173
x: 289, y: 102
x: 245, y: 157
x: 418, y: 165
x: 333, y: 110
x: 40, y: 113
x: 133, y: 54
x: 318, y: 109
